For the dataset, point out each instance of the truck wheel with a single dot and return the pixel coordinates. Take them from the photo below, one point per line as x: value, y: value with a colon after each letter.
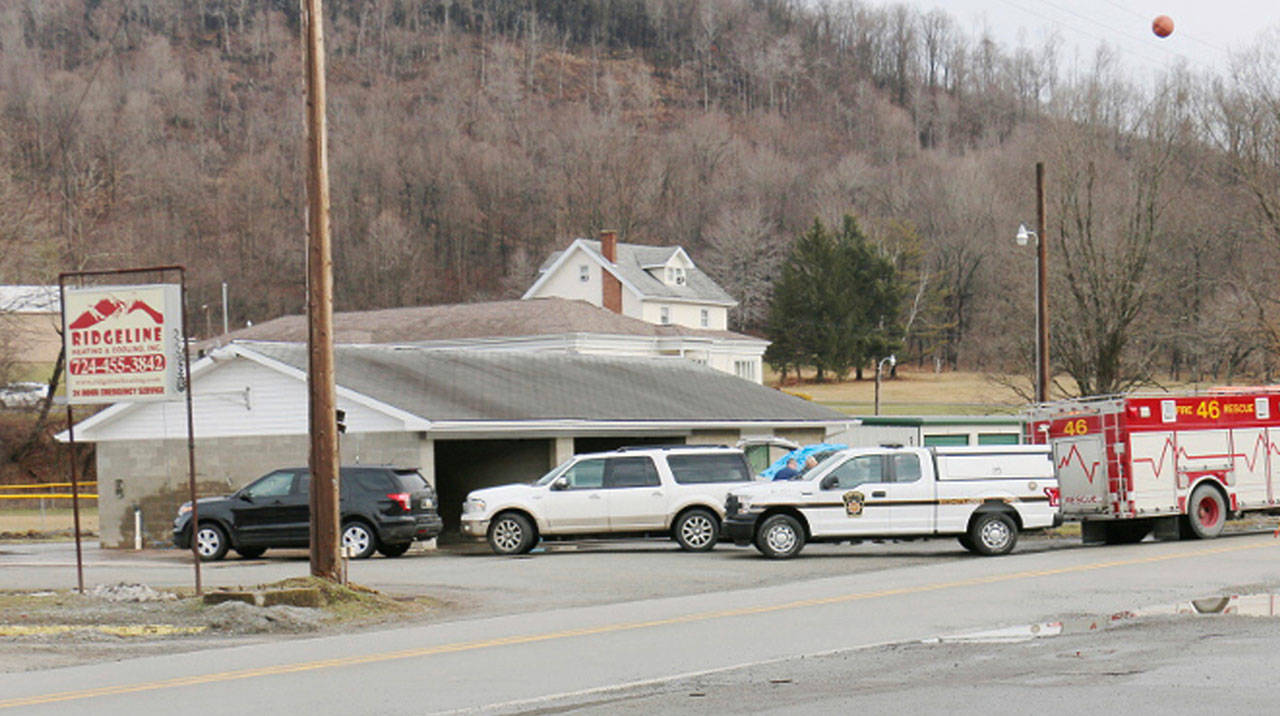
x: 1206, y: 513
x: 780, y: 537
x: 696, y: 531
x: 993, y: 533
x: 511, y: 533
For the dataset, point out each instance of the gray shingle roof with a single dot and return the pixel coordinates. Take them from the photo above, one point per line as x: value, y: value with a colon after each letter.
x: 469, y: 385
x: 492, y: 319
x: 633, y: 257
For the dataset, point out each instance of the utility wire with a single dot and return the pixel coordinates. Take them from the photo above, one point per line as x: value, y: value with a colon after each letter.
x: 1108, y: 27
x: 1181, y: 33
x: 1058, y: 22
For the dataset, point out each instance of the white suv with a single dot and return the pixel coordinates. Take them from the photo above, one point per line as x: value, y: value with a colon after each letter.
x: 676, y: 491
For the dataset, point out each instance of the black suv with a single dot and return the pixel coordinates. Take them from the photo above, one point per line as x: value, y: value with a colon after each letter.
x: 382, y: 508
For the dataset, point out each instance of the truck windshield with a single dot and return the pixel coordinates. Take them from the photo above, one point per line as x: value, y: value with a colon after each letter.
x: 824, y: 461
x: 555, y: 472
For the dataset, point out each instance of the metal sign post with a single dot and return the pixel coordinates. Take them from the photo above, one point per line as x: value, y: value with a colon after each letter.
x: 122, y: 346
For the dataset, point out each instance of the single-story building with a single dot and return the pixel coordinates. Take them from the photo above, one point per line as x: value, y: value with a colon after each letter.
x: 560, y: 325
x: 467, y: 419
x: 938, y: 430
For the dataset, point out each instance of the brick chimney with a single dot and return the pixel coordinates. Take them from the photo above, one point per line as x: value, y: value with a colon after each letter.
x: 609, y: 245
x: 611, y: 289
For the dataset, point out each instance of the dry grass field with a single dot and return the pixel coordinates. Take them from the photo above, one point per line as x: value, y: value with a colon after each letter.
x: 914, y: 392
x: 53, y: 521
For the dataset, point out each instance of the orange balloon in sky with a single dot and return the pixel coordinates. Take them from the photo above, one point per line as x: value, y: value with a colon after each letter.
x: 1162, y: 26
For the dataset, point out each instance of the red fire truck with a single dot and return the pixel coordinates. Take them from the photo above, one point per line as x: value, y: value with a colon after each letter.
x: 1175, y: 465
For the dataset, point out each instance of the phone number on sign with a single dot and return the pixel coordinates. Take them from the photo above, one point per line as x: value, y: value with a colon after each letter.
x: 114, y: 365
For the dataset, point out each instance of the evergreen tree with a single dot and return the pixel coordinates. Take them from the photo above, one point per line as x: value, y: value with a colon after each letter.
x: 835, y: 305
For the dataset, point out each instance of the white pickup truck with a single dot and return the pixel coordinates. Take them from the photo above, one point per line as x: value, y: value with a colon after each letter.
x: 983, y: 496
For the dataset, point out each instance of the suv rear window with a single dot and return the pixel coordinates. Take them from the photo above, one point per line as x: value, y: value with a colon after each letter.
x: 412, y: 481
x: 368, y: 480
x: 695, y: 469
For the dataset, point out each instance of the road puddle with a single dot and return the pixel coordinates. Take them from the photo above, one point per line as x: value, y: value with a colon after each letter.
x: 1248, y: 605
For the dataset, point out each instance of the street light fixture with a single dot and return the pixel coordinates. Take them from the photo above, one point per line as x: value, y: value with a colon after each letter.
x: 1024, y: 235
x: 892, y: 360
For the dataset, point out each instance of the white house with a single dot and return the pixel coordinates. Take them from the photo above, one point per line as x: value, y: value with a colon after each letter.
x: 657, y: 284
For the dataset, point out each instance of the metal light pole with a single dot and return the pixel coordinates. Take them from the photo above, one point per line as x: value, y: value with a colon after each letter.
x: 892, y: 361
x: 1042, y: 292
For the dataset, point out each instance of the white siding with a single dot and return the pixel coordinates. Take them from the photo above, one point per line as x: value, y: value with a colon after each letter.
x: 632, y: 307
x: 685, y: 314
x: 238, y: 397
x: 566, y: 283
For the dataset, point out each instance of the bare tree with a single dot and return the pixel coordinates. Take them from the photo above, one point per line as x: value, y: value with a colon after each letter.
x: 743, y: 256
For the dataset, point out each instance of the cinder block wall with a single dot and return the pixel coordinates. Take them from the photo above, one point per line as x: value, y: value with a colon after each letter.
x: 151, y: 475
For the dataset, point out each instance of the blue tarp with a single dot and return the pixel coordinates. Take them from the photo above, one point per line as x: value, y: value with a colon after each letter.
x: 799, y: 455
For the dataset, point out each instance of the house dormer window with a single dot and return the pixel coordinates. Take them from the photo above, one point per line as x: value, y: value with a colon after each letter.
x: 675, y: 275
x: 584, y: 273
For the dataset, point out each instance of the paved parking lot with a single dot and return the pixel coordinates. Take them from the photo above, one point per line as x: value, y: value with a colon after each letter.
x: 474, y: 581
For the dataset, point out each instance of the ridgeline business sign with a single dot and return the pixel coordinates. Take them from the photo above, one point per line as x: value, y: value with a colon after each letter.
x: 124, y: 343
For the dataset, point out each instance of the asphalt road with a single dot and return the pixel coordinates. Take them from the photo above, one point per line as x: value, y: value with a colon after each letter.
x: 646, y: 628
x: 476, y: 582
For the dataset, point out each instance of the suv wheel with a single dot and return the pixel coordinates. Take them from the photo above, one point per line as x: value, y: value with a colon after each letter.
x: 696, y: 531
x: 394, y: 550
x: 780, y: 537
x: 211, y: 542
x: 358, y: 539
x: 511, y: 533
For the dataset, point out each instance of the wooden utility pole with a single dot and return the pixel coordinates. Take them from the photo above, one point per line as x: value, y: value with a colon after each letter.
x: 320, y: 380
x: 1042, y: 293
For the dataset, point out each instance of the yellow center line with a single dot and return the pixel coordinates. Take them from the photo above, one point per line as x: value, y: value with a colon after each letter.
x: 596, y: 630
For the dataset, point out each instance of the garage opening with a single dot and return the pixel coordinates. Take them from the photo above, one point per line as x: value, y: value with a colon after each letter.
x: 466, y: 465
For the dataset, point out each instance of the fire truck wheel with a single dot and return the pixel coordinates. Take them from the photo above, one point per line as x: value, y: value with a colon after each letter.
x: 993, y: 533
x: 1207, y: 512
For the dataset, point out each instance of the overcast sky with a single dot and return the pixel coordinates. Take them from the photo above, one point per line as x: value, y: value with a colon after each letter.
x: 1205, y: 31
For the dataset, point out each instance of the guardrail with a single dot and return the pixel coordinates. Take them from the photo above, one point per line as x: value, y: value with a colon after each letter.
x: 42, y: 495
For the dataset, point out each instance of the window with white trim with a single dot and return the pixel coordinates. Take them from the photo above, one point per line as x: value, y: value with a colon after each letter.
x: 675, y: 276
x: 705, y: 318
x: 664, y: 315
x: 584, y: 273
x: 745, y: 369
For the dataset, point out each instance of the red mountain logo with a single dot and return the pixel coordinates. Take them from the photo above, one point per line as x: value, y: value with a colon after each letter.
x: 108, y: 307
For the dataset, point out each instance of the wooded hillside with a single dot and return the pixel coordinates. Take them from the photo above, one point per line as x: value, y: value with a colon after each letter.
x: 470, y: 138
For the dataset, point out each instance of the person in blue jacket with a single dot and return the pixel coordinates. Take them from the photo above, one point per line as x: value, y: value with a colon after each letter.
x: 791, y: 470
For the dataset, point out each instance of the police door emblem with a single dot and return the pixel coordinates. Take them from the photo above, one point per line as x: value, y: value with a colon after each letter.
x: 853, y: 503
